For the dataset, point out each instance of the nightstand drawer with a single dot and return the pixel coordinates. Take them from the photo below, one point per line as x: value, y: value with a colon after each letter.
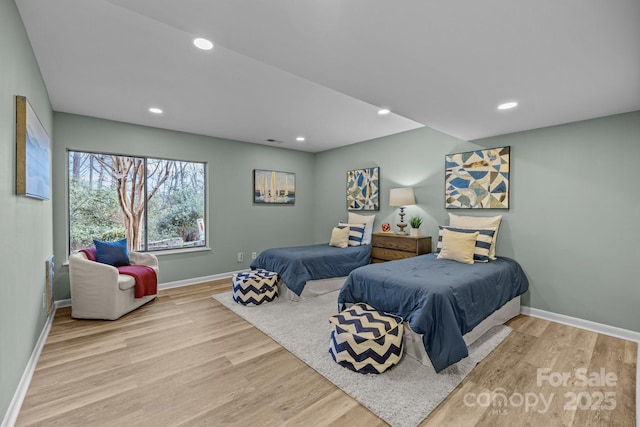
x: 389, y: 247
x: 395, y: 242
x: 389, y: 254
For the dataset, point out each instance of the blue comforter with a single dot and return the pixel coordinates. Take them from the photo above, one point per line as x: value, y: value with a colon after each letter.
x: 296, y: 265
x: 441, y: 299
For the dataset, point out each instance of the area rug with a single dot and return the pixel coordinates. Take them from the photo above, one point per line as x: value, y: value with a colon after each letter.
x: 402, y: 396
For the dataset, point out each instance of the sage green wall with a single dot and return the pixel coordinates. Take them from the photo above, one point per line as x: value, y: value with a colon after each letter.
x: 25, y: 223
x: 235, y: 224
x: 573, y: 221
x: 409, y: 159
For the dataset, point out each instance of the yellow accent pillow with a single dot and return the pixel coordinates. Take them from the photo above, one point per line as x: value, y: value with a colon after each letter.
x: 458, y: 246
x: 339, y: 237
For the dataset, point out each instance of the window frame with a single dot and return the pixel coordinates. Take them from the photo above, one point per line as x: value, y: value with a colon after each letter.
x: 167, y: 251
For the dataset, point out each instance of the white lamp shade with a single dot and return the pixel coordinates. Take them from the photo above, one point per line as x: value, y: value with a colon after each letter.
x: 401, y: 197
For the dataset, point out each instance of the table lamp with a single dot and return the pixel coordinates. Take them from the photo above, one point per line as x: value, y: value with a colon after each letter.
x: 401, y: 197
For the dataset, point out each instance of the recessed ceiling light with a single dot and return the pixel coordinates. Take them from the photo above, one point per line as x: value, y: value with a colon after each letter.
x: 300, y: 139
x: 384, y: 111
x: 508, y: 105
x: 203, y: 44
x: 155, y: 110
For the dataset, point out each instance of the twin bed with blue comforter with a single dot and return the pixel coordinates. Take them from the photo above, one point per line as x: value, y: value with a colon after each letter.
x: 440, y: 299
x: 299, y: 264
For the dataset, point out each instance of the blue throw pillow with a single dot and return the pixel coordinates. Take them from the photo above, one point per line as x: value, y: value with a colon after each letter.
x: 112, y: 253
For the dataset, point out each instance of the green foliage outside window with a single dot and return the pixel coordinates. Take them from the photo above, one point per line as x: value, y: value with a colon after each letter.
x: 156, y: 204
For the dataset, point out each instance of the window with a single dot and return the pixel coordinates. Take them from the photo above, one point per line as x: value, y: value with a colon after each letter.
x: 157, y: 204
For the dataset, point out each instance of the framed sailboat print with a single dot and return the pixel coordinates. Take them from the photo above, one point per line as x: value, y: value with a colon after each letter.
x: 274, y: 187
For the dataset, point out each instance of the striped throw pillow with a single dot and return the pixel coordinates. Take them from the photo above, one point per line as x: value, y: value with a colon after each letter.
x: 356, y: 233
x: 483, y: 242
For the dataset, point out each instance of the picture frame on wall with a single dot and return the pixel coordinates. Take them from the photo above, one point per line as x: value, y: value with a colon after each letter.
x: 271, y: 187
x: 33, y: 153
x: 478, y: 179
x: 363, y: 189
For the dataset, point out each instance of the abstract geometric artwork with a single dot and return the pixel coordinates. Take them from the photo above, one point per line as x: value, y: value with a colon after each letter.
x: 363, y: 189
x: 477, y: 179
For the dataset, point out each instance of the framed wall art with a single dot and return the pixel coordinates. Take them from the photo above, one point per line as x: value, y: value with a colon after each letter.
x: 33, y: 153
x: 363, y: 189
x: 274, y: 187
x: 477, y: 179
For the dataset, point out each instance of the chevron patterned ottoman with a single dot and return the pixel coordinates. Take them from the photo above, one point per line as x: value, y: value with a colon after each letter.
x: 255, y: 287
x: 366, y: 340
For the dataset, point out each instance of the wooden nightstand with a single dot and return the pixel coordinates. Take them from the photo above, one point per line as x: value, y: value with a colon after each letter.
x: 388, y: 247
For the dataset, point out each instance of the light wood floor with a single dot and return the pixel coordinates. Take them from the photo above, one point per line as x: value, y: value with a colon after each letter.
x: 185, y: 360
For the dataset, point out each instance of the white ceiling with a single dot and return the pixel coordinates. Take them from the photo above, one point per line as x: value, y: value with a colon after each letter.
x: 322, y: 68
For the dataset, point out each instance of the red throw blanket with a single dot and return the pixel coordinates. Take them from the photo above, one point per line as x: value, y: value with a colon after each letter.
x: 145, y: 277
x: 90, y: 253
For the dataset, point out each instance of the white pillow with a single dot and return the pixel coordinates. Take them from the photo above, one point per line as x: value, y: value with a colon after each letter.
x: 339, y: 237
x: 367, y: 220
x: 460, y: 221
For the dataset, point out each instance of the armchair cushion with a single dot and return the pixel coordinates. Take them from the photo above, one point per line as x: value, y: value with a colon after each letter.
x: 112, y: 253
x: 126, y: 282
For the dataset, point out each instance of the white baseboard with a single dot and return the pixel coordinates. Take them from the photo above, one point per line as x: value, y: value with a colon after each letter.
x: 11, y: 415
x: 600, y: 328
x: 196, y: 280
x: 63, y: 303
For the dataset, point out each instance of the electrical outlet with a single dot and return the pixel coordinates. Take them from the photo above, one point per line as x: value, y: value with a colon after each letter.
x: 254, y: 255
x: 44, y: 300
x: 240, y: 256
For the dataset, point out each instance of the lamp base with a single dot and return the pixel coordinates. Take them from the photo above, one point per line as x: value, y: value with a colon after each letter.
x: 401, y: 226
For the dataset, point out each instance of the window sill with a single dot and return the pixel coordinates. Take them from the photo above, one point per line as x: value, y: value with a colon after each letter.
x: 179, y: 251
x: 168, y: 252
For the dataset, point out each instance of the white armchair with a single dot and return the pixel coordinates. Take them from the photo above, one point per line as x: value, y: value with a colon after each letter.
x: 98, y: 291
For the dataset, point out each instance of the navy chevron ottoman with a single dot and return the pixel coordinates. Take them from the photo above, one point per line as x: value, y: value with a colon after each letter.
x: 366, y: 340
x: 255, y: 287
